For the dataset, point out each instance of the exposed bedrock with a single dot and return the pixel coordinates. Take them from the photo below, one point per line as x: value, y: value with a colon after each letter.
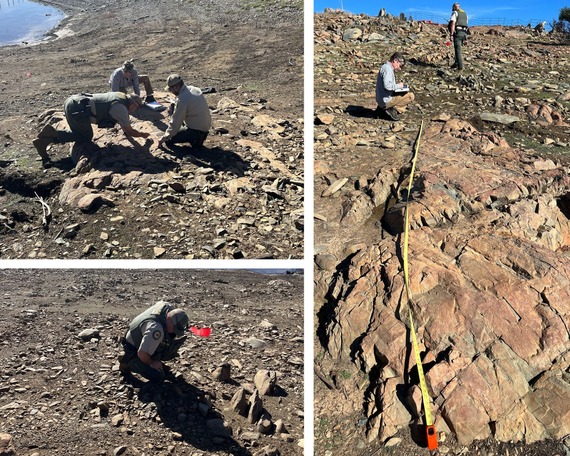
x: 489, y: 274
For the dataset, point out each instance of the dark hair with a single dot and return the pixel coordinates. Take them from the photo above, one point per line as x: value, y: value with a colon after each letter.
x: 128, y: 66
x: 397, y: 56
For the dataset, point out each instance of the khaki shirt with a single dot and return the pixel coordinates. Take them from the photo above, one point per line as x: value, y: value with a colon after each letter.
x: 191, y: 109
x: 152, y: 333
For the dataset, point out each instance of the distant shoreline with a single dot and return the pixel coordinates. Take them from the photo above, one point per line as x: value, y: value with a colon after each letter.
x: 50, y: 33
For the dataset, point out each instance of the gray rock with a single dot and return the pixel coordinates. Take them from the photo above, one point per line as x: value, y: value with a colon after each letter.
x: 239, y: 402
x: 222, y: 373
x: 351, y: 34
x: 255, y: 407
x: 265, y: 382
x: 88, y: 334
x: 499, y: 118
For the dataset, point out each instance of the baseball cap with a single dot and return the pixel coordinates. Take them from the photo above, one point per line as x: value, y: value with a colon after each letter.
x: 179, y: 320
x: 128, y: 65
x: 173, y: 79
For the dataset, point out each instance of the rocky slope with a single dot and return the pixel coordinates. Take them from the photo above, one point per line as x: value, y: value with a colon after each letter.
x: 489, y: 240
x: 61, y: 392
x: 239, y: 197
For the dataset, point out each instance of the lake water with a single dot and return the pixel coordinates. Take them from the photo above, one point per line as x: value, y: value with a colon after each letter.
x: 26, y: 21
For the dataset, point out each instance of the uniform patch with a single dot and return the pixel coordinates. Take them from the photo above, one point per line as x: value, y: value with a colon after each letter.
x: 156, y: 335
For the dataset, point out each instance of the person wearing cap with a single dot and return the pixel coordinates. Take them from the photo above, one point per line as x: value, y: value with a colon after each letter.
x: 127, y: 76
x: 458, y: 30
x: 103, y: 109
x: 191, y: 119
x: 392, y: 97
x: 153, y: 336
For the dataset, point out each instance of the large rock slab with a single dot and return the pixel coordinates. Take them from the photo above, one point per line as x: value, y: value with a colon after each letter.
x: 490, y: 280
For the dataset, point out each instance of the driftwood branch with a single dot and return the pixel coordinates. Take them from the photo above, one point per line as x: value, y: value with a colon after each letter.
x: 46, y: 210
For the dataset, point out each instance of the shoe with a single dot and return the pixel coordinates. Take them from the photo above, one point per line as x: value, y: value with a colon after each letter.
x: 392, y: 114
x: 41, y: 145
x: 48, y: 132
x: 150, y: 99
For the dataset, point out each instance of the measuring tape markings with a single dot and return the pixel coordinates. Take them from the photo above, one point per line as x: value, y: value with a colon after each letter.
x: 430, y: 429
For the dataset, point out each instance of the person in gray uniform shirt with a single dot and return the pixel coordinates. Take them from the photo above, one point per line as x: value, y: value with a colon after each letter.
x: 127, y: 76
x: 154, y: 336
x: 103, y: 109
x: 191, y: 119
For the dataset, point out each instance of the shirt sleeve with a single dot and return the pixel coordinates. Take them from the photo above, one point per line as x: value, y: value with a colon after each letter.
x: 152, y: 335
x: 389, y: 80
x: 178, y: 117
x: 135, y: 77
x: 120, y: 113
x: 116, y: 81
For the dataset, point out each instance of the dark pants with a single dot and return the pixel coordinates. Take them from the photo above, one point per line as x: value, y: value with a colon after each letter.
x: 188, y: 135
x: 458, y: 38
x: 131, y: 359
x: 78, y: 120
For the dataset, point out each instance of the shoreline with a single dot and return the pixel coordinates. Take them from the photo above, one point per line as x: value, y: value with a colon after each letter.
x: 60, y: 30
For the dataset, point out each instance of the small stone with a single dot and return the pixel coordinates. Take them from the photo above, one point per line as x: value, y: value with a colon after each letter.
x: 88, y: 334
x: 222, y: 373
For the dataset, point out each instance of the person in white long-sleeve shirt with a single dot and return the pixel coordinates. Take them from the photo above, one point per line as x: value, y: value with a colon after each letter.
x: 191, y: 119
x: 389, y: 95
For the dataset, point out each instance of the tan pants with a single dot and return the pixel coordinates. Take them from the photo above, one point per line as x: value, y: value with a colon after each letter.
x: 400, y: 101
x: 145, y: 81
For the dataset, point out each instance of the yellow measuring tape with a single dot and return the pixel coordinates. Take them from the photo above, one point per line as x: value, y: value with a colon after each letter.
x: 430, y: 428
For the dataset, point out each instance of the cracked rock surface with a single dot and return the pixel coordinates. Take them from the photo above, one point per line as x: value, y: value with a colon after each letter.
x: 488, y: 244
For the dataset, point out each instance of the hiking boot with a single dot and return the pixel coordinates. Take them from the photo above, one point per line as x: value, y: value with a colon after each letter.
x: 48, y: 132
x: 149, y: 99
x: 41, y: 145
x: 392, y: 114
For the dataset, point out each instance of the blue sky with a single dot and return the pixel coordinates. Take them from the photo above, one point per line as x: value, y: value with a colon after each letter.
x: 480, y: 12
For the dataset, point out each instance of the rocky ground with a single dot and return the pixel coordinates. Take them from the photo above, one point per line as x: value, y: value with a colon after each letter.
x: 241, y: 196
x: 488, y: 208
x: 61, y: 392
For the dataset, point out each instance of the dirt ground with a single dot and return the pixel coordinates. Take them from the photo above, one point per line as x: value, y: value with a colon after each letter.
x: 62, y: 395
x: 250, y: 52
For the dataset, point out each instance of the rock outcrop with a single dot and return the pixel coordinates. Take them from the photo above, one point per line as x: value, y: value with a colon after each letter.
x: 490, y: 278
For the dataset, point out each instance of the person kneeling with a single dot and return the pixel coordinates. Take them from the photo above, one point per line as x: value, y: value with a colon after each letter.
x: 392, y: 97
x: 154, y: 336
x: 191, y: 109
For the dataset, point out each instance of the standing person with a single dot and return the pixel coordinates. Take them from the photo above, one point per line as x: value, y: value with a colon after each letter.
x: 391, y: 95
x: 190, y: 109
x: 103, y: 109
x: 154, y: 336
x: 458, y: 32
x: 127, y: 76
